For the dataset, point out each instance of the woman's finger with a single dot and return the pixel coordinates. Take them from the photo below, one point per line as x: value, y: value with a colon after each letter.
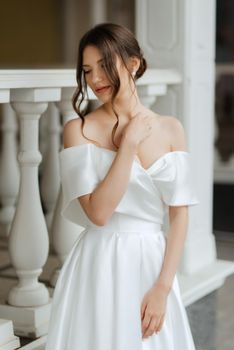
x: 151, y: 327
x: 143, y: 307
x: 160, y: 324
x: 145, y: 322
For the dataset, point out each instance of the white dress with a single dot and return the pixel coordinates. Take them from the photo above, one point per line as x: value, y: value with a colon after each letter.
x: 98, y: 295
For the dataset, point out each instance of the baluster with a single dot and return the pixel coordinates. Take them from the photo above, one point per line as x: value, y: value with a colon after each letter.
x: 50, y: 180
x: 9, y: 168
x: 28, y: 239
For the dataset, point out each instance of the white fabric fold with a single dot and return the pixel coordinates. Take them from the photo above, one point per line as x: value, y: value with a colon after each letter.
x: 79, y: 176
x: 173, y: 179
x: 168, y: 182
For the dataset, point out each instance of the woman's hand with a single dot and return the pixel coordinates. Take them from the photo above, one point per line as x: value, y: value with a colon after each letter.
x: 153, y: 309
x: 137, y: 130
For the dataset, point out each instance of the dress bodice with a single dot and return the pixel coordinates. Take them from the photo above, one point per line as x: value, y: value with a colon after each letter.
x: 167, y: 182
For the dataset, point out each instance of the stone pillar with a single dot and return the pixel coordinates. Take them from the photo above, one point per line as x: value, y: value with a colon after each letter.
x: 181, y: 34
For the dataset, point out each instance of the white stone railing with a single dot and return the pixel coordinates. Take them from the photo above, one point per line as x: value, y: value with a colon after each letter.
x: 33, y: 96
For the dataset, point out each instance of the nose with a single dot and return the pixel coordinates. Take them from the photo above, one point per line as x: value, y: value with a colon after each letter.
x: 96, y: 77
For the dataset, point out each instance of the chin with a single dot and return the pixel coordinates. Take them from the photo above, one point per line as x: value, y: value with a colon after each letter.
x: 104, y: 99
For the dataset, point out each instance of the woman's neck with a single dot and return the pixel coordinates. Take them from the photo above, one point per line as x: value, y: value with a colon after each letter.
x: 126, y: 108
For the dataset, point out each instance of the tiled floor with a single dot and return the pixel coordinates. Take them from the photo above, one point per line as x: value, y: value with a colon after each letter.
x: 211, y: 318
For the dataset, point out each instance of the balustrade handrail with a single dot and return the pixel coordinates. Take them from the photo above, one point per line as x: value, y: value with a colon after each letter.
x: 39, y: 78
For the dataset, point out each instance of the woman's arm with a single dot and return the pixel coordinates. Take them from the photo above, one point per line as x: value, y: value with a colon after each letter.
x: 174, y: 247
x: 101, y: 203
x: 154, y: 303
x: 178, y: 218
x: 153, y: 306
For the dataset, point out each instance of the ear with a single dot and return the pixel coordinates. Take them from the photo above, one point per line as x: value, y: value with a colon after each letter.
x: 134, y: 64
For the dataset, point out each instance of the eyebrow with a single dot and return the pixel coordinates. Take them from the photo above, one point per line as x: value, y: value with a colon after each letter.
x: 87, y: 65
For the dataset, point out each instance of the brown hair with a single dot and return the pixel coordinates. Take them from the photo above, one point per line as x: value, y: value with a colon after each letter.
x: 112, y: 40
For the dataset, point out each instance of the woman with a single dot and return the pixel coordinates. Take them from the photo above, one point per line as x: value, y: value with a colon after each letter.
x: 123, y: 168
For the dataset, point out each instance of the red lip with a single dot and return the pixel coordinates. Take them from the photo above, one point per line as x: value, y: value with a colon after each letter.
x: 102, y: 89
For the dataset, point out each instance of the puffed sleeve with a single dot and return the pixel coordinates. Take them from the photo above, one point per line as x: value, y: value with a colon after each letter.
x: 78, y: 177
x: 174, y: 180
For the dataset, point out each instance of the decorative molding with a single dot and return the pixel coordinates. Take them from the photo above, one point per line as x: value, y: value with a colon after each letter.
x: 156, y: 39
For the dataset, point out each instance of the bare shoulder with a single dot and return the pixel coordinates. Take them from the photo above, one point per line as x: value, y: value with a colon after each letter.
x: 72, y: 135
x: 173, y: 130
x: 72, y: 131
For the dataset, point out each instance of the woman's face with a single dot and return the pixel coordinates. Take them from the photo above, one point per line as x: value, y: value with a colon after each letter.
x: 96, y: 77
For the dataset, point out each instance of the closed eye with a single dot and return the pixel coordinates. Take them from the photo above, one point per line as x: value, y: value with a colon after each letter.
x: 86, y: 71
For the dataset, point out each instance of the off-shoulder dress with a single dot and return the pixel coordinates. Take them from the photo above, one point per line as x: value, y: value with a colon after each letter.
x: 97, y: 298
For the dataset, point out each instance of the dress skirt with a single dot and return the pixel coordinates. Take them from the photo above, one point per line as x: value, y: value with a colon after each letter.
x: 97, y: 299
